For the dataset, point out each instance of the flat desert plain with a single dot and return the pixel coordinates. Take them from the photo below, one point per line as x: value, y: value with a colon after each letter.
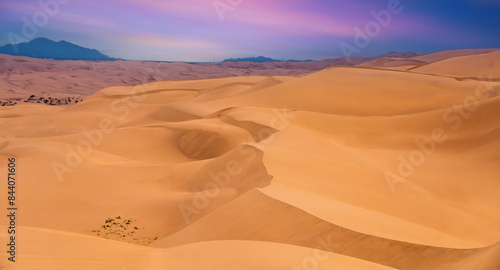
x: 389, y: 165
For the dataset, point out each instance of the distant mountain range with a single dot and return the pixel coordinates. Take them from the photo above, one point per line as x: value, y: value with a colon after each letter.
x: 260, y: 59
x: 63, y: 50
x: 46, y: 48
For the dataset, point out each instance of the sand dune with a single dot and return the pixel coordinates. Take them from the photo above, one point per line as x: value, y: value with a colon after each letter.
x: 420, y: 60
x: 21, y: 77
x: 392, y: 62
x: 484, y: 66
x: 345, y: 168
x: 432, y: 57
x: 96, y: 253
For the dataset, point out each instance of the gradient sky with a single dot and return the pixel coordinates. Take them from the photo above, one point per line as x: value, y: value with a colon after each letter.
x: 192, y: 30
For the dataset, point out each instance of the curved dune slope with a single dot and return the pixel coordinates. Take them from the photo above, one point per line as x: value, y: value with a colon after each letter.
x: 346, y: 168
x: 483, y: 66
x: 432, y: 57
x: 391, y: 62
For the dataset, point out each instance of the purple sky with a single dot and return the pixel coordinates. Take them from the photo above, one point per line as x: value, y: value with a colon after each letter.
x: 193, y: 30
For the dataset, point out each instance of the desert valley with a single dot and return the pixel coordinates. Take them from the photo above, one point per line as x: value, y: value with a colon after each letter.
x: 388, y: 163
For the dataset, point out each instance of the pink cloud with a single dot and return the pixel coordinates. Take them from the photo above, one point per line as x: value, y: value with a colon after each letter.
x: 271, y: 15
x: 159, y: 41
x: 85, y: 20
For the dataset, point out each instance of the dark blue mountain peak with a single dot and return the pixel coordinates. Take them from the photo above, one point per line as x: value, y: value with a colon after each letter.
x: 46, y: 48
